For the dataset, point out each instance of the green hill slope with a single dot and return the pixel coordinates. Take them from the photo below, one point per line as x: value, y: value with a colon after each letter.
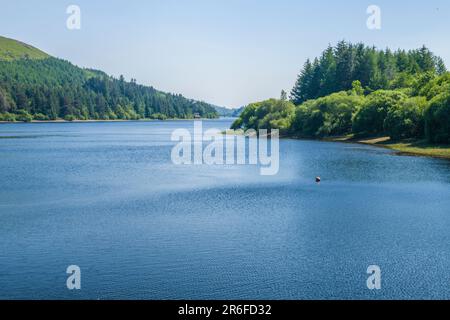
x: 34, y: 85
x: 12, y: 50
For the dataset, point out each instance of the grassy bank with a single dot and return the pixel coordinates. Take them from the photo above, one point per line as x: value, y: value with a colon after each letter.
x: 408, y: 147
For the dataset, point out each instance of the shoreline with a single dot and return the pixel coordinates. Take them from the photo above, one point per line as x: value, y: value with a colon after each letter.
x: 408, y: 147
x: 102, y: 121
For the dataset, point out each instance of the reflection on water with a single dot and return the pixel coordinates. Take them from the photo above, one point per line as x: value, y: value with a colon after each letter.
x: 106, y: 197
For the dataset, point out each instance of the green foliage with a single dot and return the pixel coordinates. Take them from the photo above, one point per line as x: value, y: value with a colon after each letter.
x: 357, y: 88
x: 406, y: 119
x: 23, y: 115
x: 158, y: 116
x: 269, y: 114
x: 338, y: 67
x: 383, y: 112
x: 437, y: 119
x: 369, y: 119
x: 56, y: 89
x: 70, y: 117
x: 40, y: 117
x: 7, y: 117
x: 403, y: 80
x: 403, y: 94
x: 432, y: 86
x: 330, y: 115
x: 6, y: 102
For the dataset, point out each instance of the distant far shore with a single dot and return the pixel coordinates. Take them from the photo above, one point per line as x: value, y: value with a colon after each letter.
x: 93, y: 121
x: 403, y: 147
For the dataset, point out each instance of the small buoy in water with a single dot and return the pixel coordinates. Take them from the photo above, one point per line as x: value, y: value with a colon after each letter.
x: 318, y: 179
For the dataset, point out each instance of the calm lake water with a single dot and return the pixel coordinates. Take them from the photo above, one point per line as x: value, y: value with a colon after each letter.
x: 106, y: 197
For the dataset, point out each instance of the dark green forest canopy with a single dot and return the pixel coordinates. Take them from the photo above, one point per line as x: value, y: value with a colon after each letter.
x: 337, y: 68
x: 46, y: 88
x: 359, y: 90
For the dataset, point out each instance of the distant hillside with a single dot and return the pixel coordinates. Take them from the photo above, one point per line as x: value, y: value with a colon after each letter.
x: 223, y: 112
x: 238, y: 112
x: 34, y: 85
x: 226, y: 112
x: 13, y: 50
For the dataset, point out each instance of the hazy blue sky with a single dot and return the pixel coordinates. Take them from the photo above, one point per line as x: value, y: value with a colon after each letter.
x: 227, y: 52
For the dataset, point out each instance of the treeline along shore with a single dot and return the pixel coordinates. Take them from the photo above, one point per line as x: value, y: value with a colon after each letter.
x: 396, y: 99
x: 36, y: 86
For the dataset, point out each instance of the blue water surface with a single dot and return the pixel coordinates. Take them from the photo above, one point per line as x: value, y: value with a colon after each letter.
x: 107, y: 197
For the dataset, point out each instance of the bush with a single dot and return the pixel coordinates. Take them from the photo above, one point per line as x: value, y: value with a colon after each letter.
x: 247, y: 119
x: 132, y: 115
x: 406, y: 119
x: 369, y: 119
x: 437, y: 119
x: 158, y: 116
x: 435, y: 86
x: 269, y: 114
x: 403, y: 80
x: 70, y: 117
x: 330, y: 115
x: 307, y: 120
x: 40, y: 117
x: 111, y: 115
x: 7, y: 117
x: 23, y: 115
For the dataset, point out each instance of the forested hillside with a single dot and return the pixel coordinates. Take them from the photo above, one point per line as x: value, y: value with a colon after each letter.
x: 359, y: 90
x: 33, y: 86
x: 225, y: 112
